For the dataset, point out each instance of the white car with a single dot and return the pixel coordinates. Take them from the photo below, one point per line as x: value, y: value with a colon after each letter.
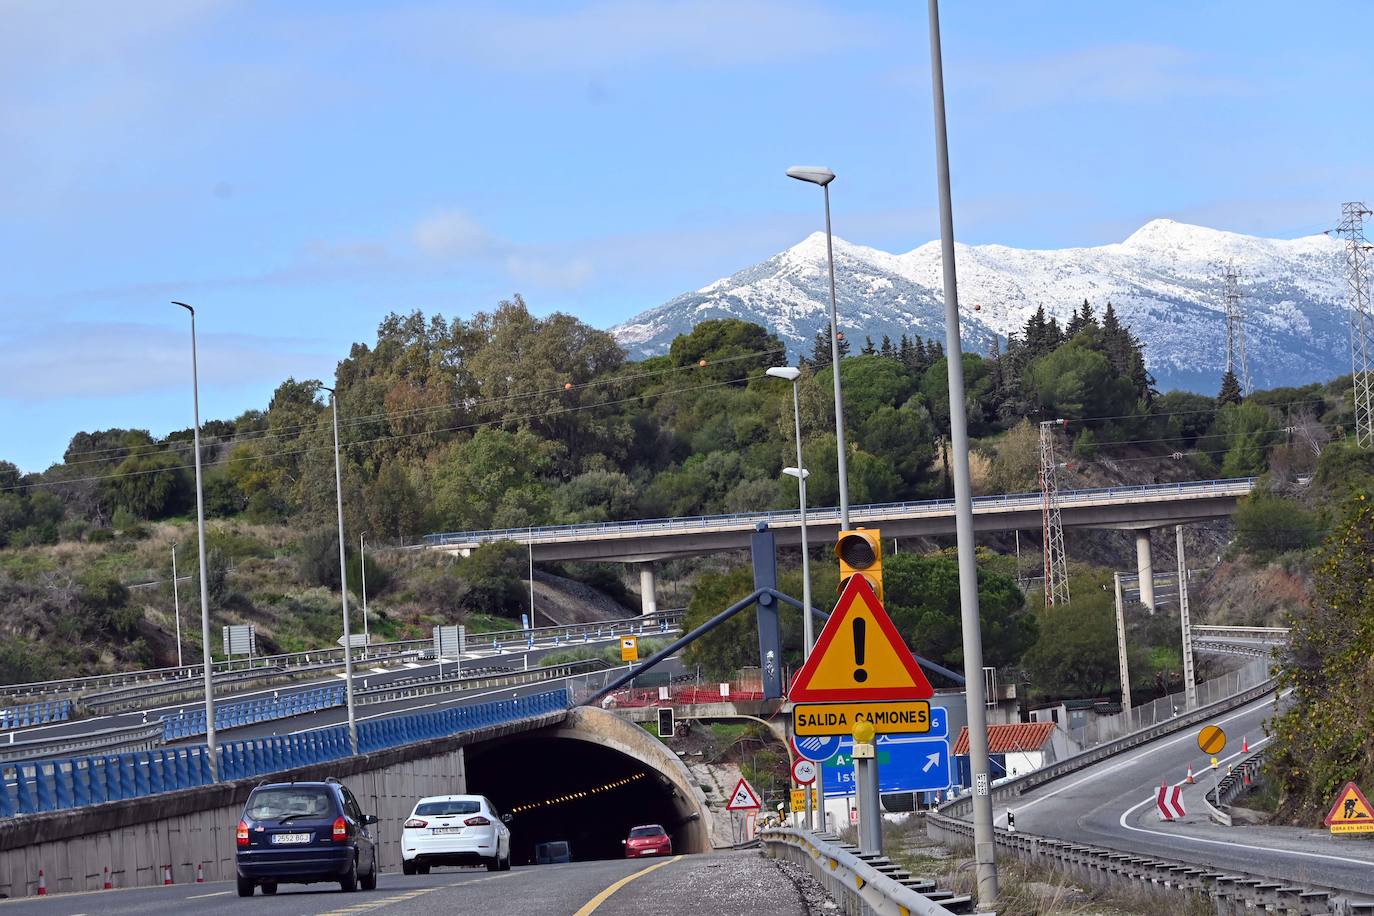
x: 455, y: 830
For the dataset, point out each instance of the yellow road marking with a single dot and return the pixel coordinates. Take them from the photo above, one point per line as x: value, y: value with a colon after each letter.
x: 590, y: 906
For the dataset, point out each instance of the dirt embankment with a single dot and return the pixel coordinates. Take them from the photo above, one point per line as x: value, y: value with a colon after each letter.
x: 1242, y: 594
x: 562, y: 601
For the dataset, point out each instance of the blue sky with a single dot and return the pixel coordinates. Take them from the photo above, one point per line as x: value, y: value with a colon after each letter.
x: 297, y: 170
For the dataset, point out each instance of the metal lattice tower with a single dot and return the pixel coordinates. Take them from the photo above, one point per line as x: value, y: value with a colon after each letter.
x: 1056, y: 561
x: 1361, y: 321
x: 1235, y: 330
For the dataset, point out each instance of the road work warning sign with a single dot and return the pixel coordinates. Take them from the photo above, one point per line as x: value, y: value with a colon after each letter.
x: 1351, y: 813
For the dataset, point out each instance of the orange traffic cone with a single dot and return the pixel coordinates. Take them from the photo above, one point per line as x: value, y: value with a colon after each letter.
x: 1247, y: 776
x: 200, y: 874
x: 166, y: 875
x: 108, y: 885
x: 1245, y: 745
x: 42, y: 884
x: 1190, y: 779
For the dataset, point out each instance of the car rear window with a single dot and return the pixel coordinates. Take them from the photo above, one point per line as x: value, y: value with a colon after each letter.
x: 440, y: 808
x: 287, y: 801
x: 653, y: 830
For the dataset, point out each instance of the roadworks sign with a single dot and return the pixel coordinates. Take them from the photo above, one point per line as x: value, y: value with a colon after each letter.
x: 744, y: 798
x: 859, y: 656
x: 1351, y: 813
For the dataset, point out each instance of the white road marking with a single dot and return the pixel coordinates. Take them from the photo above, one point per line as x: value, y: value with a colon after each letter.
x: 202, y: 896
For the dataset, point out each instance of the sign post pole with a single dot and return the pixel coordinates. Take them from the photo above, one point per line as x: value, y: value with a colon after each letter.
x: 866, y: 790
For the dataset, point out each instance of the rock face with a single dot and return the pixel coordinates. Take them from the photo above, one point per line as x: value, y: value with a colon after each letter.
x: 1165, y: 282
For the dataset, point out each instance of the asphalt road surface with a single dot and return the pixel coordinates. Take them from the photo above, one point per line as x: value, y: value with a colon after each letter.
x: 1112, y: 804
x: 719, y: 884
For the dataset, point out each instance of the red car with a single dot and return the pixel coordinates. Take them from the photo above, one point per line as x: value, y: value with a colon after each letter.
x: 649, y: 840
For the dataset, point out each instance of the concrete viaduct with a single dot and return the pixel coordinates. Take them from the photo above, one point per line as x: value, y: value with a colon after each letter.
x: 1137, y: 509
x: 534, y: 768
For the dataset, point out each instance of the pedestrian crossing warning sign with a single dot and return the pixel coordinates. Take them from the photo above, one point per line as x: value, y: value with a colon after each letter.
x: 1351, y: 813
x: 859, y: 656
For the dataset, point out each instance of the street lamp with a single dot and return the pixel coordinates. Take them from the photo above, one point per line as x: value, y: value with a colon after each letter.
x: 792, y: 374
x: 362, y: 567
x: 822, y: 176
x: 206, y: 661
x: 343, y: 580
x: 985, y: 858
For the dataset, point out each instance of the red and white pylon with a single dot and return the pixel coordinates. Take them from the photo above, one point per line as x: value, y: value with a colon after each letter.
x: 42, y: 884
x: 1190, y: 779
x: 108, y: 885
x: 200, y: 874
x: 166, y: 875
x: 1245, y: 745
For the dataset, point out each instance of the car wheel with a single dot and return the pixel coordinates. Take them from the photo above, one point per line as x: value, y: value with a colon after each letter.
x: 407, y: 867
x: 269, y: 887
x: 349, y: 882
x: 245, y: 887
x: 369, y: 880
x: 422, y: 869
x: 494, y: 863
x: 505, y: 863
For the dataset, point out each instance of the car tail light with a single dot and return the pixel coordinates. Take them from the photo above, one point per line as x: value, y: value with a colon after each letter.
x: 340, y: 830
x: 241, y: 834
x: 478, y: 821
x: 415, y: 823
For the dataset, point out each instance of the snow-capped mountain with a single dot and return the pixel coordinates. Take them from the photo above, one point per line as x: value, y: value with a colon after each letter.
x: 1165, y: 282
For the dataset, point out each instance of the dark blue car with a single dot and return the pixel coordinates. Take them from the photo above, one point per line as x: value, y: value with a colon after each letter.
x: 303, y: 833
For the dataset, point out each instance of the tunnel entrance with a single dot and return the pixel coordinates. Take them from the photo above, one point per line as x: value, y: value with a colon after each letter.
x: 583, y: 792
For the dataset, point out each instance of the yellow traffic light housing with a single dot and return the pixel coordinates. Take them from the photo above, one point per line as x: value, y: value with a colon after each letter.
x: 860, y: 553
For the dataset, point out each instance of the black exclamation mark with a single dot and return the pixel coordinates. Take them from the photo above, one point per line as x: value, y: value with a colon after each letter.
x: 860, y: 674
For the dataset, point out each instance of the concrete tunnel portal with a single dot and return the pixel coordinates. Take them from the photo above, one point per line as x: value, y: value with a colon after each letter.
x: 588, y: 782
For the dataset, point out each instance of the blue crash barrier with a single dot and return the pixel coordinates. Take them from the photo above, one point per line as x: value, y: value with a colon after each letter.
x: 36, y: 714
x: 32, y: 787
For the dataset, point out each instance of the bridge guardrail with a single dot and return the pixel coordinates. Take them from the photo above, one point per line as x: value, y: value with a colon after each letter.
x: 1276, y: 635
x: 36, y: 714
x: 1234, y: 783
x: 32, y: 787
x: 1068, y: 498
x: 857, y: 885
x: 333, y: 656
x: 126, y: 738
x: 233, y: 715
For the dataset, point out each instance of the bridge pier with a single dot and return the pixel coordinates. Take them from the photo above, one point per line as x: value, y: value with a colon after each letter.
x: 648, y: 598
x: 1144, y: 565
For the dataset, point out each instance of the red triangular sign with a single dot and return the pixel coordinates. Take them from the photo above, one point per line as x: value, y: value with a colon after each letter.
x: 743, y: 798
x: 1351, y: 808
x: 859, y: 656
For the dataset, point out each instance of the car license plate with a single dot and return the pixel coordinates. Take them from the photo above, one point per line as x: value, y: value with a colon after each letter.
x: 441, y: 830
x: 282, y: 838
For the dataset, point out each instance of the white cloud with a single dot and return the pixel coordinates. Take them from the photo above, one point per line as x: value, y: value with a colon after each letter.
x: 454, y: 234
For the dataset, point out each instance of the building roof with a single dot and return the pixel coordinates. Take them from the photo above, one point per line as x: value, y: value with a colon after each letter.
x: 1024, y: 736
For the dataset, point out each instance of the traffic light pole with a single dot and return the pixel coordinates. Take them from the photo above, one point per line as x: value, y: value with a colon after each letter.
x: 983, y: 837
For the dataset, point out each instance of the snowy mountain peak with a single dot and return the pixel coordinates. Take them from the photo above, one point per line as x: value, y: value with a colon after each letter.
x: 1164, y: 280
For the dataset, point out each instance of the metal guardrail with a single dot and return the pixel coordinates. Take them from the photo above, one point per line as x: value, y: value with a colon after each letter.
x: 1228, y: 647
x: 127, y: 738
x: 234, y: 715
x: 33, y: 787
x: 330, y: 657
x: 744, y: 520
x: 392, y: 693
x: 869, y: 885
x: 1013, y: 788
x: 1275, y: 635
x: 36, y: 714
x: 1234, y: 783
x: 1230, y: 891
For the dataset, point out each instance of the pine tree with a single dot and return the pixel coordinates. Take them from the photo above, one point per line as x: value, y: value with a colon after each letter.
x: 886, y: 348
x: 1230, y: 390
x: 844, y: 345
x: 820, y: 347
x: 1083, y: 318
x: 904, y: 351
x: 868, y: 348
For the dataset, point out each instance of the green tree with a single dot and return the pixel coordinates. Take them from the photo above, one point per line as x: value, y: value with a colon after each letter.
x: 1074, y: 382
x: 1230, y: 393
x: 1268, y: 524
x: 150, y: 485
x: 1074, y: 655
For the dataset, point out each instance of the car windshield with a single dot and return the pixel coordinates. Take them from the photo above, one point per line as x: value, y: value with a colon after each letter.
x: 289, y: 801
x: 652, y: 830
x: 440, y: 808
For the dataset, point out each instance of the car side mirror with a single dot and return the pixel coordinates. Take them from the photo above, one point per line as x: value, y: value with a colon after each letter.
x: 369, y: 819
x: 505, y: 818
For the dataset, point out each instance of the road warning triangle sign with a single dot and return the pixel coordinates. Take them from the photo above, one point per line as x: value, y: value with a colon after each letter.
x: 1351, y: 813
x: 744, y: 798
x: 859, y: 656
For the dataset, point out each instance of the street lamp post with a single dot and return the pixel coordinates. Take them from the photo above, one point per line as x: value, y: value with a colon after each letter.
x: 793, y: 374
x: 984, y: 851
x: 343, y: 580
x: 206, y: 661
x: 176, y: 603
x: 823, y: 176
x: 362, y: 567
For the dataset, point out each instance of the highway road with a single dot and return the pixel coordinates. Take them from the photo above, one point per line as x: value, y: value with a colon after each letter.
x: 721, y: 882
x: 365, y: 675
x: 1112, y: 804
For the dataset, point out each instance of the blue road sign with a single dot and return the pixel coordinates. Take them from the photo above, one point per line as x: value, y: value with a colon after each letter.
x: 817, y: 748
x: 906, y: 763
